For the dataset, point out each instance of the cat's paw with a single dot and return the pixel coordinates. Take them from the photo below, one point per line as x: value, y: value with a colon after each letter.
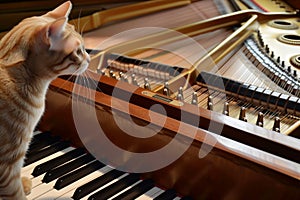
x: 27, y: 185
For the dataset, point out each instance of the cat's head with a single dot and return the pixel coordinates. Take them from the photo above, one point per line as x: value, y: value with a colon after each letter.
x: 47, y: 45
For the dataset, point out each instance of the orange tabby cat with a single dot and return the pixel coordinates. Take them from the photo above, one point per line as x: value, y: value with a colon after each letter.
x: 32, y: 54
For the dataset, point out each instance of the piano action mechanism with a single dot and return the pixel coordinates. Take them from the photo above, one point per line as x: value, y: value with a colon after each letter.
x: 229, y: 111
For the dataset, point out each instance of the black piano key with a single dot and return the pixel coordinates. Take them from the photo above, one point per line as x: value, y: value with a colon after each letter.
x: 162, y: 67
x: 274, y: 98
x: 292, y: 103
x: 232, y: 86
x: 251, y: 91
x: 115, y: 188
x: 282, y: 101
x: 297, y: 108
x: 35, y: 156
x: 51, y: 164
x: 258, y: 92
x: 40, y: 136
x: 167, y: 195
x: 136, y: 190
x: 175, y: 71
x: 153, y: 65
x: 243, y: 90
x: 66, y: 168
x: 186, y: 198
x: 77, y: 174
x: 264, y: 96
x: 42, y: 140
x: 112, y: 56
x: 37, y: 146
x: 93, y: 185
x: 207, y: 78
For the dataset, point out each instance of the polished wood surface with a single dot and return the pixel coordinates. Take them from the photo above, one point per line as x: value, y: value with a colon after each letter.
x: 243, y: 168
x: 243, y: 161
x: 15, y: 11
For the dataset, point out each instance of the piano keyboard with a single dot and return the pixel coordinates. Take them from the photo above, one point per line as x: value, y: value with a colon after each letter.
x: 60, y: 171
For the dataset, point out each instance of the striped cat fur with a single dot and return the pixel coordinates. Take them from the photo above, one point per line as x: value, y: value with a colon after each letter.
x: 32, y: 54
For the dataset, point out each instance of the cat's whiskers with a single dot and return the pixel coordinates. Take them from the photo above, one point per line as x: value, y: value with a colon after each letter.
x: 83, y: 27
x: 18, y: 50
x: 63, y: 84
x: 88, y: 82
x: 82, y: 82
x: 78, y: 21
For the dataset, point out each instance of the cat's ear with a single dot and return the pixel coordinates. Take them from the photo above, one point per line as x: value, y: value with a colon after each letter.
x: 55, y: 32
x: 61, y: 11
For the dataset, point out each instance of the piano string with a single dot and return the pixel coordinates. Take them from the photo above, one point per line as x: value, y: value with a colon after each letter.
x: 249, y: 73
x: 253, y: 160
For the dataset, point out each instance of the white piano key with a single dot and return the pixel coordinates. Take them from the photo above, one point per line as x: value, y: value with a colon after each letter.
x: 40, y: 190
x: 27, y: 170
x: 36, y: 181
x: 150, y: 194
x: 158, y: 193
x: 68, y: 191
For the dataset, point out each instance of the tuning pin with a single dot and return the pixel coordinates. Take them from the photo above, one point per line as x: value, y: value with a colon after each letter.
x: 226, y: 109
x: 276, y: 126
x: 278, y: 59
x: 262, y: 42
x: 121, y: 76
x: 179, y: 97
x: 112, y: 74
x: 283, y: 64
x: 147, y: 84
x: 100, y: 71
x: 260, y: 119
x: 295, y: 73
x: 133, y: 80
x: 125, y: 79
x: 267, y: 49
x: 180, y: 91
x: 289, y: 69
x: 243, y: 114
x: 210, y: 103
x: 272, y: 54
x: 194, y: 98
x: 166, y: 90
x: 259, y: 38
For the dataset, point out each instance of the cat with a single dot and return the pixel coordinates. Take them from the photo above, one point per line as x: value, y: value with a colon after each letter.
x: 32, y: 54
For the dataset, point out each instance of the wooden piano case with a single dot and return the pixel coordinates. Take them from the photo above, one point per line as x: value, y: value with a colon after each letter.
x: 242, y: 160
x: 220, y: 157
x: 231, y: 169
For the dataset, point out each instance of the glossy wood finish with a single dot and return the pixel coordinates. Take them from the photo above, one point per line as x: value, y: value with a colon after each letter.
x: 246, y: 161
x: 232, y: 169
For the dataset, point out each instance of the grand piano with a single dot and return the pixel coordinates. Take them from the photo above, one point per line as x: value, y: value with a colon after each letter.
x: 191, y: 100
